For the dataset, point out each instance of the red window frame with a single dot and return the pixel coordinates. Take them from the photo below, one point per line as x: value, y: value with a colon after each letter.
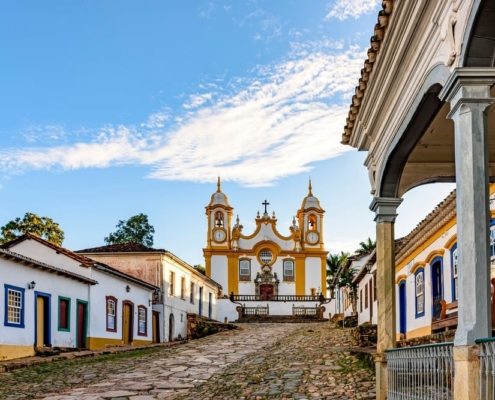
x: 115, y: 301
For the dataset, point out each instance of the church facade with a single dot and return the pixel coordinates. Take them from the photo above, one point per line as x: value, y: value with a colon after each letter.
x: 266, y: 263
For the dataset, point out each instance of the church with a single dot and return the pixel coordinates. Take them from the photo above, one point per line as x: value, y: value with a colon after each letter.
x: 266, y: 265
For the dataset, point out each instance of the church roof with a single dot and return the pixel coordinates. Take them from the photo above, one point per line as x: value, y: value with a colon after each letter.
x: 219, y: 198
x: 310, y: 201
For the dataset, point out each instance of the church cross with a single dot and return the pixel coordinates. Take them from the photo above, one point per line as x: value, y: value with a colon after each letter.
x: 265, y: 204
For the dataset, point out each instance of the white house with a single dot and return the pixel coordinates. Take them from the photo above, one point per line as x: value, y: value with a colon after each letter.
x: 100, y: 307
x: 183, y: 288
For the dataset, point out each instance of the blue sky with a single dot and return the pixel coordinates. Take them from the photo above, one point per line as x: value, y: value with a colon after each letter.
x: 110, y: 109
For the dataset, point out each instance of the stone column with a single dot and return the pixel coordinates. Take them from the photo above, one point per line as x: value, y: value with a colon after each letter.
x: 385, y: 213
x: 468, y: 91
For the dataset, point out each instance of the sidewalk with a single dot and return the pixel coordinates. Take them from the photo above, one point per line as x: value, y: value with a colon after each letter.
x: 10, y: 365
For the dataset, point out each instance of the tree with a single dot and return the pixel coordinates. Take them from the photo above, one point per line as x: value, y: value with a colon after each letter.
x: 334, y: 261
x: 366, y: 246
x: 201, y: 269
x: 42, y: 227
x: 135, y: 229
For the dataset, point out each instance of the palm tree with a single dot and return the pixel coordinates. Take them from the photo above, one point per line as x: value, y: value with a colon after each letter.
x: 367, y: 246
x: 334, y: 261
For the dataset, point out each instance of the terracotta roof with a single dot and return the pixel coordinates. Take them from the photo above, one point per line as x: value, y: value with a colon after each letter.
x: 129, y: 247
x: 133, y: 247
x: 441, y: 214
x: 28, y: 236
x: 85, y: 261
x: 30, y: 262
x: 376, y: 39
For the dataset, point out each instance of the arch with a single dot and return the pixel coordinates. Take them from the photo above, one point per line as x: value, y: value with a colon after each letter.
x: 434, y: 254
x: 423, y: 110
x: 416, y: 266
x: 480, y: 36
x: 451, y: 242
x: 400, y: 279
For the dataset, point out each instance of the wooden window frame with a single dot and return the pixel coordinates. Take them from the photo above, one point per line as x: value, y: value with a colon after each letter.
x: 115, y: 303
x: 191, y: 294
x: 288, y: 278
x: 145, y: 309
x: 361, y: 300
x: 171, y: 288
x: 182, y: 288
x: 421, y: 272
x: 67, y: 312
x: 244, y: 277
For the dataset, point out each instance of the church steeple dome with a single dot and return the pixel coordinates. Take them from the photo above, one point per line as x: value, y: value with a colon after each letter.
x: 219, y: 198
x: 310, y: 201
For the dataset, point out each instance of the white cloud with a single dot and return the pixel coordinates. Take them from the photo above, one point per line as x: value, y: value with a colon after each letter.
x: 253, y: 131
x: 343, y: 9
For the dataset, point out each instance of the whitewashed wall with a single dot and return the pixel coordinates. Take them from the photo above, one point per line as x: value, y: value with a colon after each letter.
x: 14, y: 274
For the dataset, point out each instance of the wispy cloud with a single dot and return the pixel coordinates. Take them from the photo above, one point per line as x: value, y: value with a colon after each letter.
x: 343, y: 9
x: 253, y: 130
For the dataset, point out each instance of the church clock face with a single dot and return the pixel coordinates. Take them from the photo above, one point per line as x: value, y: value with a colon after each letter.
x: 312, y: 237
x: 219, y: 235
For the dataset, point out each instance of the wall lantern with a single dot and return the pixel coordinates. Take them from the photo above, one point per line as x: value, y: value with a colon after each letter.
x: 31, y: 285
x: 368, y: 267
x: 127, y: 288
x: 156, y: 295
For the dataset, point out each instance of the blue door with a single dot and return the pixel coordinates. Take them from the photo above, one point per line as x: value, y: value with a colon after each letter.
x: 402, y: 308
x: 437, y: 287
x: 200, y: 301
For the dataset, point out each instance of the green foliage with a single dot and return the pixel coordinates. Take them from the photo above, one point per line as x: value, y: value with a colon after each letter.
x: 42, y: 227
x: 334, y: 261
x: 201, y: 269
x: 135, y: 229
x: 366, y: 246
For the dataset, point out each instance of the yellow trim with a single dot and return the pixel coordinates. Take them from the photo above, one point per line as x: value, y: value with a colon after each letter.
x: 10, y: 352
x: 233, y: 271
x: 433, y: 254
x: 450, y: 243
x: 260, y: 221
x: 423, y: 331
x: 139, y: 342
x: 427, y: 243
x: 492, y: 214
x: 95, y: 343
x: 324, y: 277
x: 272, y: 247
x: 300, y: 276
x: 416, y: 266
x: 208, y: 266
x: 401, y: 278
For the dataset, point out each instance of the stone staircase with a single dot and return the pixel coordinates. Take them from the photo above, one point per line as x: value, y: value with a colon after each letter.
x: 279, y: 319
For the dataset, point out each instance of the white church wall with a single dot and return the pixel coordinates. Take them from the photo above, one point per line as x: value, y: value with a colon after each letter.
x: 219, y: 272
x: 313, y: 274
x: 287, y: 288
x: 266, y: 233
x: 247, y: 288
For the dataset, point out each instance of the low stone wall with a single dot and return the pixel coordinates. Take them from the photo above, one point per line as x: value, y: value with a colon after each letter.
x: 366, y: 335
x: 199, y: 326
x: 440, y: 337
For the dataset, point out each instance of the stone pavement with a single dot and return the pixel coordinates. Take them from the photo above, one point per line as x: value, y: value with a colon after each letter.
x: 260, y: 361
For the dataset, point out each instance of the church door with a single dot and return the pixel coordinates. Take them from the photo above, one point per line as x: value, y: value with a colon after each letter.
x: 266, y: 292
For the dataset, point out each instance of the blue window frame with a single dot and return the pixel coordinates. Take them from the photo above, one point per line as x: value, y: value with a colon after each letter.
x: 14, y: 306
x: 419, y: 282
x: 454, y: 268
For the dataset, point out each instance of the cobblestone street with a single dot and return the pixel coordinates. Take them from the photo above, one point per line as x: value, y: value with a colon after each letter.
x: 261, y: 361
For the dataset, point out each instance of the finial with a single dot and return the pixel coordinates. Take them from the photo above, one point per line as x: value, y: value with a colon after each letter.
x: 237, y: 220
x: 218, y: 185
x: 294, y: 221
x: 309, y: 187
x: 273, y: 215
x: 258, y: 214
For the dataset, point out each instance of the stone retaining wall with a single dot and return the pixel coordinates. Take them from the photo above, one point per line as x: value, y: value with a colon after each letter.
x: 199, y: 326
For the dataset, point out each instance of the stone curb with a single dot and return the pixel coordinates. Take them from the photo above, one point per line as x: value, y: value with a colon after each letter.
x: 12, y: 365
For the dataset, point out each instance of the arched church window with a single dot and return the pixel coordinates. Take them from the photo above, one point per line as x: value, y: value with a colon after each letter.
x: 266, y: 256
x: 311, y: 223
x: 219, y: 219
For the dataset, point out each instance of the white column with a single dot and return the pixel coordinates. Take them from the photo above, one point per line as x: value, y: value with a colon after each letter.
x: 468, y: 91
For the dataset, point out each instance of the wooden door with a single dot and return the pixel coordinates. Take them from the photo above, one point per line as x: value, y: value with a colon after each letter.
x: 171, y: 328
x: 155, y: 327
x: 81, y: 325
x: 200, y: 301
x: 40, y: 321
x: 437, y: 288
x: 127, y: 324
x: 402, y: 308
x: 266, y: 292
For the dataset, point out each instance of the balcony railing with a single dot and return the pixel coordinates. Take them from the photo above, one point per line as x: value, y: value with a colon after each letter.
x: 487, y: 368
x: 260, y: 310
x: 304, y: 310
x: 278, y: 297
x: 421, y: 372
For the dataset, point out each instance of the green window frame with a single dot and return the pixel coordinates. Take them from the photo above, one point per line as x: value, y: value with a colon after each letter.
x: 67, y: 302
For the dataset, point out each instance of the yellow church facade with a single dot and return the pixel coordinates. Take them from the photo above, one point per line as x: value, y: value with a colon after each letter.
x: 266, y: 263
